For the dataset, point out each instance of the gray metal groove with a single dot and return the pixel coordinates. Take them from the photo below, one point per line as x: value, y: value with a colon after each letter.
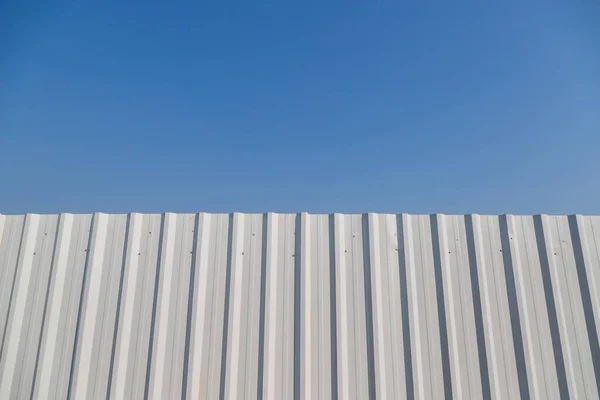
x: 272, y: 306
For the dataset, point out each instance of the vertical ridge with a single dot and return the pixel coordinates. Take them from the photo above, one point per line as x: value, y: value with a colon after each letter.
x: 30, y: 325
x: 452, y: 301
x: 12, y: 287
x: 238, y: 259
x: 551, y: 308
x: 298, y: 247
x: 199, y: 314
x: 251, y: 303
x: 154, y: 305
x: 306, y: 276
x: 124, y: 327
x: 408, y: 367
x: 17, y: 305
x: 526, y: 305
x: 60, y: 222
x: 343, y: 336
x: 272, y: 272
x: 81, y: 300
x: 190, y: 307
x: 571, y: 308
x: 585, y: 296
x: 477, y: 310
x: 96, y: 249
x: 373, y: 263
x: 261, y: 324
x: 513, y: 307
x: 226, y: 308
x: 52, y: 324
x: 118, y: 310
x: 368, y: 306
x: 215, y: 303
x: 486, y: 275
x: 163, y: 300
x: 591, y: 247
x: 333, y: 308
x: 435, y: 235
x: 410, y: 252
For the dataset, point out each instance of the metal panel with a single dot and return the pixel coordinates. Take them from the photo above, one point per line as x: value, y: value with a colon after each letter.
x: 274, y: 306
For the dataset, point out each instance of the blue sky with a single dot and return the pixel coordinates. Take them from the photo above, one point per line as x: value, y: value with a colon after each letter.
x: 458, y: 107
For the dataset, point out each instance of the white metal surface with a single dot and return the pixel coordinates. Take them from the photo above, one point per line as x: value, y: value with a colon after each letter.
x: 273, y: 306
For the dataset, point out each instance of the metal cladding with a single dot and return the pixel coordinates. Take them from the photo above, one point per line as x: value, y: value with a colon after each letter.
x: 274, y: 306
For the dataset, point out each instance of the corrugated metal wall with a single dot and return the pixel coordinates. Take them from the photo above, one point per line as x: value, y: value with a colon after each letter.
x: 207, y: 306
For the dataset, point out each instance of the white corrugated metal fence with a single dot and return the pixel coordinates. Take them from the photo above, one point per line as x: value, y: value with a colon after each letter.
x: 281, y: 306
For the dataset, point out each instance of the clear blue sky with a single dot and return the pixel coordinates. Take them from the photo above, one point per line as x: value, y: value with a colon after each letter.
x: 147, y: 106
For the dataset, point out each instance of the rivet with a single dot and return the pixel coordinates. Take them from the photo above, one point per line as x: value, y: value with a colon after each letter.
x: 34, y: 254
x: 242, y: 253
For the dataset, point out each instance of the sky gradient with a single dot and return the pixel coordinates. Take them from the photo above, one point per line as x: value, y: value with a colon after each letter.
x: 460, y: 107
